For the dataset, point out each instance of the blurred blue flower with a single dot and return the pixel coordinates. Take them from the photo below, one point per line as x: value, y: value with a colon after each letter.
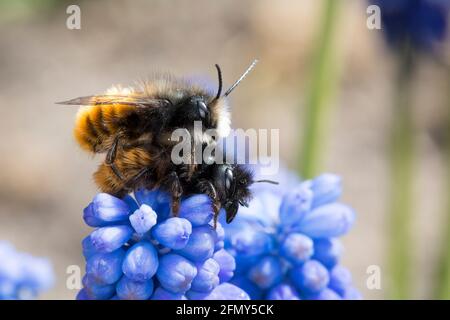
x: 419, y: 23
x: 23, y: 276
x: 138, y: 251
x: 285, y: 244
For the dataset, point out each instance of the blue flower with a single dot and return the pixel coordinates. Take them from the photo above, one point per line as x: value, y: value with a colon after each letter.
x: 207, y: 277
x: 224, y: 291
x: 176, y: 273
x: 23, y: 276
x: 143, y: 219
x: 138, y: 251
x: 285, y: 244
x: 128, y: 289
x: 283, y: 291
x: 141, y: 261
x: 108, y: 239
x: 419, y: 23
x: 201, y: 244
x: 173, y: 233
x: 310, y: 277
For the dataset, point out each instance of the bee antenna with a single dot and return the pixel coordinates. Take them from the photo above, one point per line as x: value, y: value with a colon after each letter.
x: 219, y: 75
x: 241, y: 78
x: 267, y: 181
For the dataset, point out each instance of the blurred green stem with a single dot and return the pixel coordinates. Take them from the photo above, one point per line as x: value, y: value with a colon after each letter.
x: 443, y: 266
x: 323, y: 79
x: 401, y: 180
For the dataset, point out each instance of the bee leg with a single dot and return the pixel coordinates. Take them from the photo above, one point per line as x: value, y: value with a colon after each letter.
x: 111, y: 156
x: 112, y: 152
x: 133, y: 182
x: 174, y: 185
x: 116, y: 171
x: 206, y: 186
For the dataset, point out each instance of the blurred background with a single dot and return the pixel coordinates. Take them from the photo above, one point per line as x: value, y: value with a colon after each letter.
x: 46, y: 178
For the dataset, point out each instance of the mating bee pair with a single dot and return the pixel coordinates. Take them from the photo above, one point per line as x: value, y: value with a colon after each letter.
x: 133, y: 127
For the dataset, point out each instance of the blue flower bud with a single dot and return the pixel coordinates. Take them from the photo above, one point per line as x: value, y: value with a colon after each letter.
x: 283, y: 292
x: 141, y: 261
x: 340, y: 279
x: 325, y: 294
x: 108, y: 239
x: 207, y: 276
x: 220, y: 232
x: 225, y: 291
x: 219, y: 245
x: 197, y: 209
x: 8, y: 289
x: 200, y: 245
x: 37, y: 273
x: 88, y: 248
x: 105, y: 209
x: 175, y: 273
x: 143, y: 219
x: 327, y: 251
x: 248, y: 286
x: 295, y: 204
x: 266, y: 272
x: 162, y: 294
x: 244, y: 262
x: 251, y: 242
x: 297, y: 248
x: 82, y: 295
x: 227, y: 265
x: 22, y: 276
x: 310, y: 278
x: 97, y: 291
x: 128, y: 289
x: 422, y: 24
x: 105, y: 268
x: 330, y: 220
x: 173, y: 233
x: 351, y: 293
x: 326, y: 189
x: 156, y: 199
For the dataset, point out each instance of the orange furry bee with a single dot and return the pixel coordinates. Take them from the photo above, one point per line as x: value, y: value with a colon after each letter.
x: 133, y: 127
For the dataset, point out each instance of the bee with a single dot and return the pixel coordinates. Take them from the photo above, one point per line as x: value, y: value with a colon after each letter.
x: 133, y: 126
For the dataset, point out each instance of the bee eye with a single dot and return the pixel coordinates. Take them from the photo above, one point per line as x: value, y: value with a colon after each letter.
x: 202, y: 109
x: 228, y: 178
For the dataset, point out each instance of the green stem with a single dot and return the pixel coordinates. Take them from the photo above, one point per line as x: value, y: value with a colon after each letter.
x: 401, y: 185
x: 443, y: 267
x: 323, y: 81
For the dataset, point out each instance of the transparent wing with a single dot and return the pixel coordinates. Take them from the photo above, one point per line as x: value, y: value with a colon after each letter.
x: 116, y: 99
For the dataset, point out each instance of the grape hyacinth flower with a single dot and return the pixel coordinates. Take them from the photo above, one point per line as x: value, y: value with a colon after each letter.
x: 139, y: 251
x: 420, y: 23
x: 23, y: 276
x: 286, y: 246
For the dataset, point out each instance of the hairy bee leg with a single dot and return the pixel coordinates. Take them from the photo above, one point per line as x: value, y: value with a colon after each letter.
x: 111, y: 156
x: 173, y: 182
x: 133, y: 181
x: 116, y: 171
x: 208, y: 188
x: 112, y: 152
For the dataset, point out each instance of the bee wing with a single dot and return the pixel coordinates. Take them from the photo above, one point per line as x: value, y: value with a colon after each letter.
x: 115, y: 99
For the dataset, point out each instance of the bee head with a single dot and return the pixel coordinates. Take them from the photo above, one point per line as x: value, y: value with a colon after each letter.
x: 232, y: 183
x: 212, y: 111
